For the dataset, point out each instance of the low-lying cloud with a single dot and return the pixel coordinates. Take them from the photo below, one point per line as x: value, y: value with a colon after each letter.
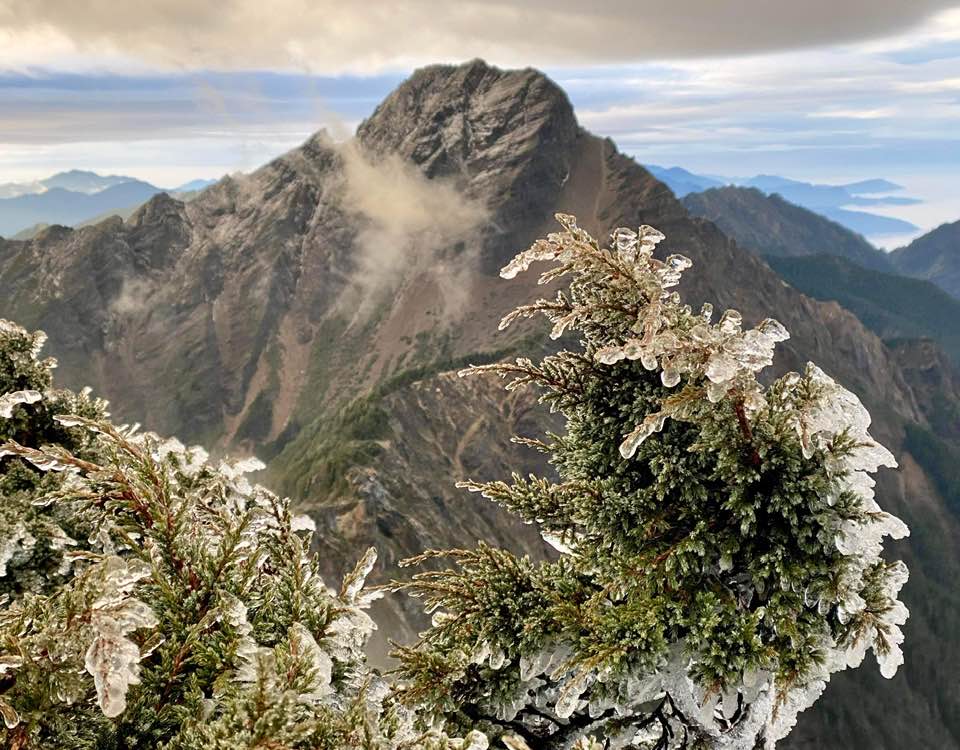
x: 407, y: 223
x: 330, y: 36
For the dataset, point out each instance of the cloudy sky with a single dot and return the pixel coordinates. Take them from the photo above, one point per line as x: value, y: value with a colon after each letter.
x: 171, y: 90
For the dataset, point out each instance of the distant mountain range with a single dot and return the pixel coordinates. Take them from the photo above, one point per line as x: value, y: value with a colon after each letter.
x: 76, y: 180
x: 75, y: 197
x: 832, y: 201
x: 774, y: 226
x: 829, y: 262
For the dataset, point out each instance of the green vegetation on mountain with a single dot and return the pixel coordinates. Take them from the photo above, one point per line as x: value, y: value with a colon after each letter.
x: 935, y: 257
x: 719, y: 541
x: 151, y: 598
x: 720, y: 556
x: 890, y: 305
x: 243, y: 321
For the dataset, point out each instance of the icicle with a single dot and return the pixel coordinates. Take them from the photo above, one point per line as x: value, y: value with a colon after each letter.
x: 9, y: 400
x: 653, y: 423
x: 730, y: 322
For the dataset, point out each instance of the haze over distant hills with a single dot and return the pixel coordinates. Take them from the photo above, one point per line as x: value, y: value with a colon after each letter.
x: 832, y: 201
x: 774, y: 226
x: 829, y: 262
x: 75, y: 180
x: 75, y: 197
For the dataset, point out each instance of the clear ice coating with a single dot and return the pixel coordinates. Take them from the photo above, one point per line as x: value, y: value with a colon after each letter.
x: 9, y: 400
x: 626, y: 241
x: 670, y: 377
x: 354, y: 582
x: 16, y: 546
x: 321, y: 664
x: 653, y: 423
x: 112, y: 658
x: 10, y: 717
x: 302, y: 522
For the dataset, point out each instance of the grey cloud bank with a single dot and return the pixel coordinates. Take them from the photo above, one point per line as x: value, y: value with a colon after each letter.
x: 332, y: 37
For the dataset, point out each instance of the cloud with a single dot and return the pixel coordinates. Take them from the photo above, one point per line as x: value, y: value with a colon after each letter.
x: 840, y: 98
x: 332, y: 36
x: 877, y: 113
x: 408, y: 223
x: 132, y: 299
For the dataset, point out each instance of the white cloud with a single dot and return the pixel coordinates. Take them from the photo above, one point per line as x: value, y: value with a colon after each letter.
x: 936, y: 86
x: 877, y: 113
x: 332, y: 36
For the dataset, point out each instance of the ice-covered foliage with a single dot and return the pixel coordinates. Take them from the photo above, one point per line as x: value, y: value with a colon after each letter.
x: 719, y: 539
x: 153, y: 599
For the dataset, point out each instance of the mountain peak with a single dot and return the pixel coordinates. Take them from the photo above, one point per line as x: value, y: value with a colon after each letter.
x: 159, y: 207
x: 506, y: 138
x: 446, y: 116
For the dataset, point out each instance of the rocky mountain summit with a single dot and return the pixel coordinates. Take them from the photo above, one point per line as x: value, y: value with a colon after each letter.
x: 311, y: 312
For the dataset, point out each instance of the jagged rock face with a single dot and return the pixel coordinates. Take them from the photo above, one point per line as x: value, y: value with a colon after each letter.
x: 769, y: 225
x: 171, y: 313
x: 187, y: 314
x: 935, y: 381
x: 935, y: 257
x: 506, y: 139
x: 235, y: 319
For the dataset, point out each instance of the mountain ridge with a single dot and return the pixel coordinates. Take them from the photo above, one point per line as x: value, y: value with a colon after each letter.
x: 771, y: 225
x: 830, y: 201
x: 62, y: 206
x: 934, y: 256
x: 77, y: 198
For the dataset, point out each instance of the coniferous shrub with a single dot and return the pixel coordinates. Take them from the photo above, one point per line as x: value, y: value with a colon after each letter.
x: 720, y: 546
x: 153, y: 599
